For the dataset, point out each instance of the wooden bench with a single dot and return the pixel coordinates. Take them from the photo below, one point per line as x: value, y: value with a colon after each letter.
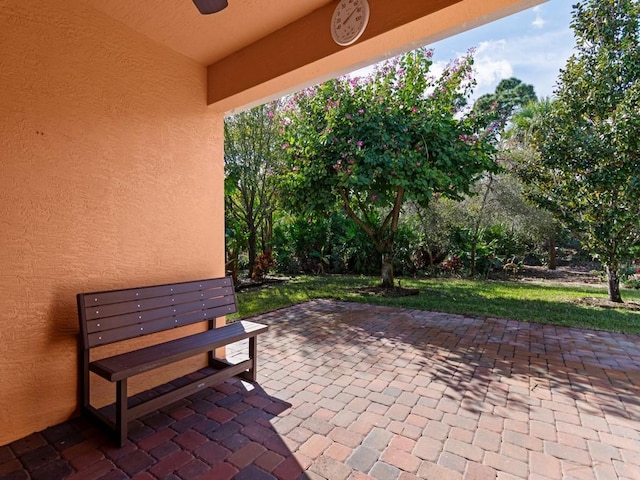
x: 119, y: 315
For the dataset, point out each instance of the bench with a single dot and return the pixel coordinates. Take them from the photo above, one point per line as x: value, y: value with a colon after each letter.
x: 114, y: 316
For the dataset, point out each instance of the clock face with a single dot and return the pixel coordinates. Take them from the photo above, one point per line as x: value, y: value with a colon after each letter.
x: 349, y: 20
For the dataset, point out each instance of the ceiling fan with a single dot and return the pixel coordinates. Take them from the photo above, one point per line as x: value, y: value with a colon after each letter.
x: 210, y: 6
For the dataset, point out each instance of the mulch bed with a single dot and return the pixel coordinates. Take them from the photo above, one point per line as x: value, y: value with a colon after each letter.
x: 605, y: 303
x: 387, y: 291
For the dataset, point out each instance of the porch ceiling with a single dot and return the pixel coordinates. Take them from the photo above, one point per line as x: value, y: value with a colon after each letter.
x: 260, y: 49
x: 206, y: 39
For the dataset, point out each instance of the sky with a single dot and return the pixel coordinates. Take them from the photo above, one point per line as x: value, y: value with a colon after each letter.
x: 532, y: 45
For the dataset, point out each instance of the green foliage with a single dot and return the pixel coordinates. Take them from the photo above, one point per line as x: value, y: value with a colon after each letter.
x: 372, y: 143
x: 630, y: 276
x: 587, y: 167
x: 322, y: 244
x: 526, y: 122
x: 510, y: 95
x: 496, y: 222
x: 252, y: 155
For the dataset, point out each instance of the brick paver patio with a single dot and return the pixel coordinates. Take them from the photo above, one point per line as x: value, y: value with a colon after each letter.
x: 349, y: 391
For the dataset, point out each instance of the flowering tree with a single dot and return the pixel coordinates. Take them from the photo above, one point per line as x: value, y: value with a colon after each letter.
x: 372, y: 143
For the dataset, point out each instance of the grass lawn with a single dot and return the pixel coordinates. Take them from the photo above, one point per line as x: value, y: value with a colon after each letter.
x: 554, y: 304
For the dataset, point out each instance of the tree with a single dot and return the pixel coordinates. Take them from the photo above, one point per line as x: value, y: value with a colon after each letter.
x: 527, y: 121
x: 251, y: 154
x: 524, y: 125
x: 587, y: 167
x: 510, y: 95
x: 371, y: 143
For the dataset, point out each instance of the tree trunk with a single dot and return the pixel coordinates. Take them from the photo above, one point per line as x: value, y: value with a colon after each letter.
x: 387, y: 270
x: 267, y: 233
x: 613, y: 283
x: 382, y: 236
x: 474, y: 242
x: 552, y: 252
x: 252, y: 248
x: 431, y: 266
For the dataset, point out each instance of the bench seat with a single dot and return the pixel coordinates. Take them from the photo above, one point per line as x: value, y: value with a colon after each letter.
x: 138, y: 361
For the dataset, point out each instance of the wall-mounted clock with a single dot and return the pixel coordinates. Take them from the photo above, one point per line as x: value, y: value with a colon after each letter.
x: 349, y: 21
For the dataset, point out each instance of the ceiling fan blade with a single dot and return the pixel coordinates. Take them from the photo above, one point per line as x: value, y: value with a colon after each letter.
x: 210, y: 6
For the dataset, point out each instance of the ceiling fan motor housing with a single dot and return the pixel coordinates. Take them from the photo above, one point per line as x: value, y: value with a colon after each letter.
x: 207, y: 7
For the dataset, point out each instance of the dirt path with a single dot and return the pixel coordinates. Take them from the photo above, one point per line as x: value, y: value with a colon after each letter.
x: 562, y: 275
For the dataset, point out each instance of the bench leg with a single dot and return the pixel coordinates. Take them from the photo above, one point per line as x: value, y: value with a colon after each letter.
x: 122, y: 405
x: 84, y: 380
x: 251, y: 375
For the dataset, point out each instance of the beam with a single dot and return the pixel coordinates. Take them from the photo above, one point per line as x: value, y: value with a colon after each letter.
x: 303, y: 52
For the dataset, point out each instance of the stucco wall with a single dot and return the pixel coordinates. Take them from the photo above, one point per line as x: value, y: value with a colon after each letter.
x: 110, y: 176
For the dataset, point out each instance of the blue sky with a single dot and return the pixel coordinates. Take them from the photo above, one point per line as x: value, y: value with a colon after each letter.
x: 532, y: 45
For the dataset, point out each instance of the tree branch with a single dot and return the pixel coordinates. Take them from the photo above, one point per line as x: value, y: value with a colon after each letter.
x: 368, y: 230
x: 394, y: 214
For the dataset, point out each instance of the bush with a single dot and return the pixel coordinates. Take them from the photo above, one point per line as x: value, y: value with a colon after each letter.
x: 264, y: 263
x: 630, y: 277
x: 332, y: 244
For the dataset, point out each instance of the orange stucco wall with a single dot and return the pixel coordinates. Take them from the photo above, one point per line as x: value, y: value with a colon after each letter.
x: 110, y: 176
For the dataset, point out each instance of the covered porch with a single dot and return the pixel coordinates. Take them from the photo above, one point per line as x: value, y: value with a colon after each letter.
x: 111, y: 152
x: 350, y: 391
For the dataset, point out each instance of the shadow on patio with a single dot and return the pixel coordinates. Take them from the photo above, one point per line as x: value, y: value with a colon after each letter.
x: 350, y: 391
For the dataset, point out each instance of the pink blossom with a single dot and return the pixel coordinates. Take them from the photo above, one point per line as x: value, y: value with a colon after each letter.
x: 359, y: 143
x: 348, y: 116
x: 285, y: 146
x: 361, y: 111
x: 373, y: 197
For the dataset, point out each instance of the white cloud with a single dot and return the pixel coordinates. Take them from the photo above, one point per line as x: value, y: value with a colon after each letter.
x: 538, y: 22
x: 534, y: 59
x: 491, y: 64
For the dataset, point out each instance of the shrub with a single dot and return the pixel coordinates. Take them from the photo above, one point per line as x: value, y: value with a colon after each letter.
x: 630, y: 277
x: 263, y: 264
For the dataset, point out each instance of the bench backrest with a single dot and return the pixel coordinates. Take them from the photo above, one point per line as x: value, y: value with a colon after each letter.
x: 115, y: 315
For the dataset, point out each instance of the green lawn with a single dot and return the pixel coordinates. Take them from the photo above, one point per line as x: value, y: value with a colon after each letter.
x: 511, y: 300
